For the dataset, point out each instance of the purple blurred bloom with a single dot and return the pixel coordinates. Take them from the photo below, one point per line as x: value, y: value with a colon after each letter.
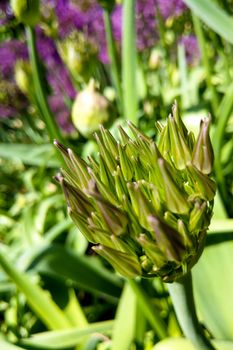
x: 191, y: 47
x: 10, y: 52
x: 85, y: 16
x: 57, y: 75
x: 12, y: 101
x: 5, y: 12
x: 58, y: 79
x: 7, y: 111
x: 69, y: 17
x: 46, y: 48
x: 146, y: 24
x: 61, y: 113
x: 89, y: 19
x: 171, y: 8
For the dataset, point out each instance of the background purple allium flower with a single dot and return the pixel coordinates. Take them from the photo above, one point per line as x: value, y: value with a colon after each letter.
x: 57, y: 75
x: 69, y: 17
x: 12, y: 102
x: 10, y: 52
x: 85, y: 16
x: 61, y: 112
x: 171, y: 8
x: 191, y: 48
x: 5, y: 12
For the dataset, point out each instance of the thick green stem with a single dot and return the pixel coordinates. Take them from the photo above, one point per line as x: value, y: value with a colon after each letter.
x: 129, y: 61
x: 205, y: 59
x: 185, y: 93
x: 112, y: 54
x: 182, y: 296
x: 43, y: 107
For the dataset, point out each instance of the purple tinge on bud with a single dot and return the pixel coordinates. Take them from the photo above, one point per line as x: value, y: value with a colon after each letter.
x: 113, y: 217
x: 168, y: 240
x: 203, y: 155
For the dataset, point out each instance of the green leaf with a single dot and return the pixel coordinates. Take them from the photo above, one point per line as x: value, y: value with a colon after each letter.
x: 213, y: 285
x: 125, y: 321
x: 84, y: 272
x: 38, y: 299
x: 74, y: 312
x: 224, y: 225
x: 30, y: 154
x: 214, y: 16
x: 66, y: 338
x: 184, y: 344
x: 4, y: 345
x: 57, y: 229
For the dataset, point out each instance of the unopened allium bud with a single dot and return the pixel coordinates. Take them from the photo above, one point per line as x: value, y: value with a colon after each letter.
x: 154, y: 59
x: 26, y: 11
x: 23, y: 77
x: 90, y: 109
x: 78, y: 52
x: 203, y: 155
x: 146, y: 209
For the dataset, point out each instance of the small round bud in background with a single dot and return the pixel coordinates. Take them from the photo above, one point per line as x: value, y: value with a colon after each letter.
x: 154, y: 59
x: 90, y: 109
x: 23, y: 77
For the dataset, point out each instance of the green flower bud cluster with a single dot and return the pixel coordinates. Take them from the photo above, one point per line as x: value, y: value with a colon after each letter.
x: 145, y: 207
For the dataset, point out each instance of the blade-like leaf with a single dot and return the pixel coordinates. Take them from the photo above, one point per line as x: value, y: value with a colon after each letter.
x: 125, y: 322
x: 5, y: 345
x: 215, y: 302
x: 66, y: 338
x: 30, y: 154
x: 84, y: 272
x: 215, y: 17
x: 184, y: 344
x: 37, y: 298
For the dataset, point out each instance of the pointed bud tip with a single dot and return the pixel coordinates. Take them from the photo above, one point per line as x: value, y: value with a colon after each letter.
x: 97, y: 248
x: 59, y: 178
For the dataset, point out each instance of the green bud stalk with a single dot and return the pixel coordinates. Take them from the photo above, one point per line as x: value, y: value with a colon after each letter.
x: 26, y: 11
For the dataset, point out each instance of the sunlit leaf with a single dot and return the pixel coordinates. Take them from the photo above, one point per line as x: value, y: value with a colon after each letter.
x: 214, y: 16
